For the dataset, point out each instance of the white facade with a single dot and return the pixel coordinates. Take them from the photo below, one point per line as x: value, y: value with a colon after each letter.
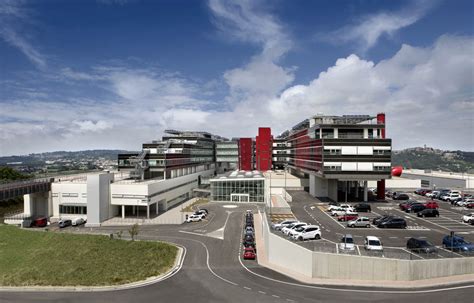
x: 97, y: 197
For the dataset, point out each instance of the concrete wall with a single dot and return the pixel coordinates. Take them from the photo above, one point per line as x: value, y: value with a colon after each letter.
x: 398, y: 183
x: 338, y: 266
x: 318, y: 187
x: 175, y: 215
x: 438, y: 181
x: 98, y: 199
x: 37, y: 204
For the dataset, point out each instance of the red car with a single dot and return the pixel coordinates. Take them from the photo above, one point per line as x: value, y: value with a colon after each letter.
x: 431, y: 205
x: 347, y: 217
x: 470, y: 205
x: 40, y: 222
x: 249, y: 253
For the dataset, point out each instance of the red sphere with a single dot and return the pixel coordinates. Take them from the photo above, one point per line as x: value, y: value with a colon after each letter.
x: 397, y: 171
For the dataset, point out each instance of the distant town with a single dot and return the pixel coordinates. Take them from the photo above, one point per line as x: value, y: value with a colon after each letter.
x: 73, y: 161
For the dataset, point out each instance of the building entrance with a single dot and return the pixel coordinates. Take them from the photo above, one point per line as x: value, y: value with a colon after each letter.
x: 239, y: 197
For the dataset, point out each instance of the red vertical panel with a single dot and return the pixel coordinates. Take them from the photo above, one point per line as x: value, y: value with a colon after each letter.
x: 245, y: 153
x: 263, y: 149
x: 381, y: 120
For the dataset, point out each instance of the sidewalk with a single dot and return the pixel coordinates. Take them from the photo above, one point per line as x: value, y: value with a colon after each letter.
x: 262, y: 259
x: 178, y: 263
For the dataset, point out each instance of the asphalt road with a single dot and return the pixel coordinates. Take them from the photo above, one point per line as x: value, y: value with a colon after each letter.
x: 213, y: 272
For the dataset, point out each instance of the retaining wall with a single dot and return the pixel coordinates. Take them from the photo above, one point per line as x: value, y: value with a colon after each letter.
x: 286, y: 254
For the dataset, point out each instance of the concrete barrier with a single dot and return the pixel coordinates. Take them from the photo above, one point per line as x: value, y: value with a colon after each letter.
x: 285, y: 254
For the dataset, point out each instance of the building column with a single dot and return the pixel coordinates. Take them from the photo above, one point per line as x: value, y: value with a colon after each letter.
x: 156, y: 207
x: 336, y: 133
x: 148, y: 211
x: 366, y: 194
x: 357, y: 189
x: 123, y: 211
x: 345, y: 191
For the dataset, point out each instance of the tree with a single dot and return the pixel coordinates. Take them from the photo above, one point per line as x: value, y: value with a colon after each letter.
x: 133, y: 231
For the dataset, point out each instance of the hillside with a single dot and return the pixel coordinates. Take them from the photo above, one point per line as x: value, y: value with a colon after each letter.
x: 430, y: 158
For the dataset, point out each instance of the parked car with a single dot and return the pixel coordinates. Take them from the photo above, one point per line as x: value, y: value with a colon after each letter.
x: 468, y: 218
x: 431, y: 204
x: 78, y: 221
x: 432, y: 194
x: 201, y: 212
x: 280, y: 225
x: 469, y: 205
x: 204, y: 209
x: 338, y: 212
x: 288, y: 230
x: 308, y: 232
x: 400, y: 196
x: 419, y: 191
x: 348, y: 216
x: 393, y: 223
x: 194, y: 218
x: 421, y: 246
x: 452, y: 197
x: 406, y: 204
x: 249, y: 253
x: 289, y: 226
x: 39, y: 222
x: 249, y: 241
x: 457, y: 243
x: 378, y: 220
x: 441, y: 192
x: 373, y: 243
x: 64, y: 223
x: 344, y: 206
x: 362, y: 207
x: 347, y: 243
x: 359, y: 222
x: 428, y: 212
x: 415, y: 207
x: 296, y: 230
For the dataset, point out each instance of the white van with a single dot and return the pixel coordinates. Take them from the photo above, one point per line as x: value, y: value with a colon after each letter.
x: 78, y: 221
x: 373, y: 243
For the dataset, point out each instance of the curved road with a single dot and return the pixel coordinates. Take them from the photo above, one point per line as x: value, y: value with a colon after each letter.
x: 213, y: 272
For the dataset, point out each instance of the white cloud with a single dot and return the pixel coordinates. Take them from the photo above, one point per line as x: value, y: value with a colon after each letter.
x: 13, y: 17
x: 427, y: 93
x: 367, y: 31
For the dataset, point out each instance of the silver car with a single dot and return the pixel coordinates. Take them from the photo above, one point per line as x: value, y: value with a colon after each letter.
x: 359, y: 222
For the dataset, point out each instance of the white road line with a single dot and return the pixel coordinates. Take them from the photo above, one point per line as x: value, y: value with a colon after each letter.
x: 358, y: 251
x: 262, y: 292
x: 248, y: 288
x: 275, y: 296
x: 412, y: 253
x: 452, y: 252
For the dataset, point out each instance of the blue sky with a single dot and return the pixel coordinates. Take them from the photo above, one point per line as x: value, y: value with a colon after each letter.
x: 116, y: 73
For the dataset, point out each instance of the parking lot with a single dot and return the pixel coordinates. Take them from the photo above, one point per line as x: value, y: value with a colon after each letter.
x: 433, y: 229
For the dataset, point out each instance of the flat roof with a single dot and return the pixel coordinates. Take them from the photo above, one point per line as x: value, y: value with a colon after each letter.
x: 240, y: 175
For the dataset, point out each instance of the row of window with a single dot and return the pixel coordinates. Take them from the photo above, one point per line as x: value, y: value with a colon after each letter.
x: 72, y: 210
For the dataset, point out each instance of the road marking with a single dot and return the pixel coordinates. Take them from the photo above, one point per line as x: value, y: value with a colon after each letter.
x: 262, y: 292
x: 358, y: 251
x: 412, y: 254
x: 248, y: 288
x: 275, y: 296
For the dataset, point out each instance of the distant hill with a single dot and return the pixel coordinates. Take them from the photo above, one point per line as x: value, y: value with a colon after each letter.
x: 40, y: 158
x: 436, y: 159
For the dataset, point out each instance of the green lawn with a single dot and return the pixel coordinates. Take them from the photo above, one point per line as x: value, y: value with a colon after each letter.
x: 50, y: 258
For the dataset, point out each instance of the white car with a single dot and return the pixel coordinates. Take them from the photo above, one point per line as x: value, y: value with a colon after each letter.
x: 340, y: 211
x: 452, y: 197
x: 288, y: 229
x: 345, y: 206
x: 347, y: 243
x: 194, y: 218
x: 279, y: 226
x: 308, y: 232
x: 432, y: 194
x: 373, y: 243
x: 469, y: 218
x: 77, y: 221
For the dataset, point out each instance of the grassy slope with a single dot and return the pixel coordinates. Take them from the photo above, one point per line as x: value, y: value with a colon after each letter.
x: 49, y: 258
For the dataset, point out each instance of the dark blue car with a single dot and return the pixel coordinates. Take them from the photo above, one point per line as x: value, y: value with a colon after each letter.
x: 458, y: 243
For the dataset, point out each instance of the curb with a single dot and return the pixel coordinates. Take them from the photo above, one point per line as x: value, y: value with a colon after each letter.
x: 178, y: 264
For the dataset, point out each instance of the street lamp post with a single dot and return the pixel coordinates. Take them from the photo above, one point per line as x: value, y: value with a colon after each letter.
x: 285, y: 166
